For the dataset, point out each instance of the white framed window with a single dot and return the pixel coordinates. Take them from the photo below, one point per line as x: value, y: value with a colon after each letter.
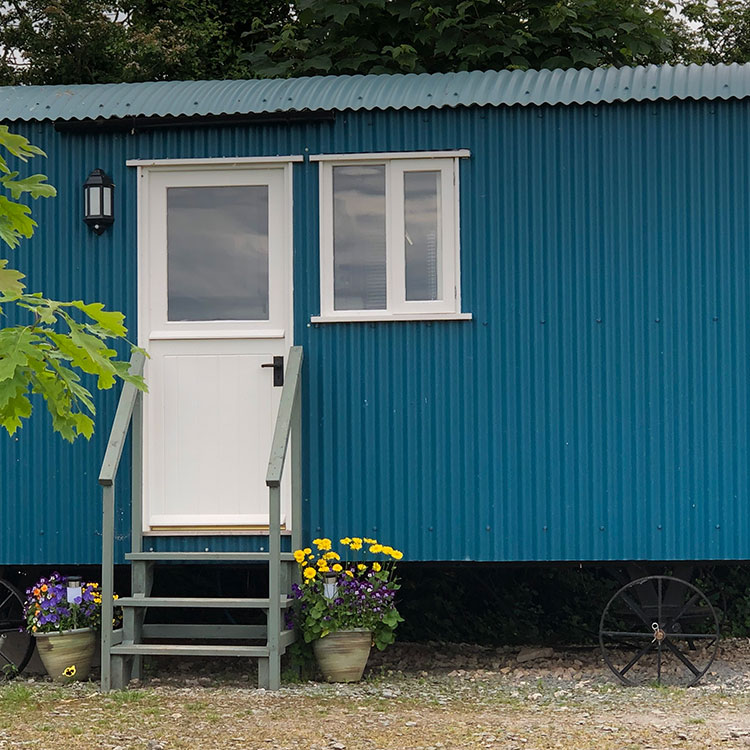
x: 389, y: 237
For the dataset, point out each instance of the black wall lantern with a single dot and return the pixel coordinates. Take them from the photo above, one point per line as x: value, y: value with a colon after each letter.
x: 98, y: 201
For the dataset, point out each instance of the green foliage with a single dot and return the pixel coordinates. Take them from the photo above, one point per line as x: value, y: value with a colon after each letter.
x: 719, y: 30
x: 60, y: 339
x: 104, y: 41
x: 415, y: 36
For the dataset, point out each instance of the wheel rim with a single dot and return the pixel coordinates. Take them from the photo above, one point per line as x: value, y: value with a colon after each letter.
x: 659, y: 629
x: 16, y: 645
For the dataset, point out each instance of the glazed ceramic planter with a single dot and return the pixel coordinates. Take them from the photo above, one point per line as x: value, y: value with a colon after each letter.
x: 71, y: 648
x: 342, y: 655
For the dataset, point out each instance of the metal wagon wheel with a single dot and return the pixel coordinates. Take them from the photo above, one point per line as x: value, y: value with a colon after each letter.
x: 659, y: 629
x: 16, y: 645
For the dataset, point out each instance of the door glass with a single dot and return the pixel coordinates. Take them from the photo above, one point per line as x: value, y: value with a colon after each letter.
x: 359, y: 271
x: 421, y: 234
x: 217, y: 253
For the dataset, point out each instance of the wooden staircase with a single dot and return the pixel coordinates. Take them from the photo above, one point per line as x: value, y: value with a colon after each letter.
x: 123, y: 650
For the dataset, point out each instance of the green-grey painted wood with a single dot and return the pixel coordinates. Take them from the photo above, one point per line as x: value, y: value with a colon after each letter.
x: 120, y: 424
x: 207, y: 556
x: 182, y: 630
x: 284, y: 417
x: 136, y: 491
x: 188, y: 649
x: 296, y: 469
x: 108, y: 589
x: 274, y: 586
x: 202, y: 602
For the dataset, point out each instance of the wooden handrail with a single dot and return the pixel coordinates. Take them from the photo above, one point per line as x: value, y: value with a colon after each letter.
x: 110, y: 464
x: 284, y: 418
x: 288, y: 421
x: 121, y: 424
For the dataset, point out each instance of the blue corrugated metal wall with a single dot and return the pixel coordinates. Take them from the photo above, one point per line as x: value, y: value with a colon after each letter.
x: 596, y: 408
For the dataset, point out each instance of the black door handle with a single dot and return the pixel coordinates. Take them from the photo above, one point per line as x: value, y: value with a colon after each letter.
x: 278, y: 370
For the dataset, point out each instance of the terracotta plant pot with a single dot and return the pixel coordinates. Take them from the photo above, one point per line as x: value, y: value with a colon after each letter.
x: 342, y: 655
x: 71, y: 648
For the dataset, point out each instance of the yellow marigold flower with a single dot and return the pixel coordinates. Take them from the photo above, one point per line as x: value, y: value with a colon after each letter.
x: 396, y: 555
x: 387, y: 550
x: 307, y: 551
x: 115, y: 596
x: 322, y: 563
x: 357, y: 539
x: 349, y: 573
x: 332, y: 556
x: 355, y: 545
x: 361, y: 566
x: 370, y: 541
x: 309, y: 573
x: 376, y: 548
x: 337, y: 568
x: 322, y: 544
x: 299, y: 555
x: 69, y: 671
x: 376, y: 567
x: 345, y: 540
x: 324, y: 568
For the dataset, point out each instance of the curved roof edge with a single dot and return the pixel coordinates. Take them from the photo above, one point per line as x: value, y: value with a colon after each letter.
x: 337, y: 93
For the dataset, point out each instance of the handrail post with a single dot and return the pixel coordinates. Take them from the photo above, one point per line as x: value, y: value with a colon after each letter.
x: 129, y: 399
x: 297, y: 470
x: 274, y: 587
x: 108, y: 583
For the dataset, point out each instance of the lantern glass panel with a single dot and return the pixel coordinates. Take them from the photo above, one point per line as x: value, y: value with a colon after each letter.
x: 106, y: 201
x: 95, y: 201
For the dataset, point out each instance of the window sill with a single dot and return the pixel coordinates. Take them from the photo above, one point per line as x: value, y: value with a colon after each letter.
x: 387, y: 317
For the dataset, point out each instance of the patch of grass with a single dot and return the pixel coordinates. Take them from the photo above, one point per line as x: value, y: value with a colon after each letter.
x: 696, y: 721
x: 123, y: 697
x: 16, y: 696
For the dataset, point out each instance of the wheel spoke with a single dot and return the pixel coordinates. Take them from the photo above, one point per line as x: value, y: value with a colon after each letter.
x: 627, y: 634
x: 636, y: 608
x: 683, y: 658
x: 636, y: 658
x: 658, y: 601
x: 6, y: 600
x: 685, y: 607
x: 693, y: 636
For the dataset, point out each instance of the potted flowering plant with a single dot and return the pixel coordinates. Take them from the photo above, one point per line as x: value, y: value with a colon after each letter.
x: 63, y: 614
x: 346, y: 604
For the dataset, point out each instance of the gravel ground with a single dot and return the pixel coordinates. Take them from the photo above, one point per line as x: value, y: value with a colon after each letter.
x: 415, y: 696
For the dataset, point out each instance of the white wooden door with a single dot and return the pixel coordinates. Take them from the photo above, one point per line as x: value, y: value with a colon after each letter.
x: 215, y: 307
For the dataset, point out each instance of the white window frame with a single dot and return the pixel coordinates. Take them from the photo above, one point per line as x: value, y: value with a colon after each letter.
x: 397, y: 306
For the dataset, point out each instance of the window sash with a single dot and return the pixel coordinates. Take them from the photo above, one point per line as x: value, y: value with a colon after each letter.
x: 396, y: 302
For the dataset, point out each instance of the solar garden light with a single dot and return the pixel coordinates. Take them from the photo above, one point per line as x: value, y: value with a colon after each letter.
x: 98, y: 201
x: 330, y: 587
x: 74, y: 589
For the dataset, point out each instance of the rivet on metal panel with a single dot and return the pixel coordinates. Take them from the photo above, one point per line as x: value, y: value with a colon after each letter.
x: 487, y: 528
x: 598, y: 320
x: 601, y: 528
x: 715, y: 319
x: 544, y: 528
x: 430, y: 528
x: 718, y: 526
x: 542, y: 322
x: 659, y: 527
x: 657, y: 320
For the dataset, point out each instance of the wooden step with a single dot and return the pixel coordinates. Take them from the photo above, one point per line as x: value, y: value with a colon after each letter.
x: 205, y: 556
x: 184, y: 649
x: 199, y: 602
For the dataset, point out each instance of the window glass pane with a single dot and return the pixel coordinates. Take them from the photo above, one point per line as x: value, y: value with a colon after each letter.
x: 422, y: 242
x: 217, y: 253
x: 359, y: 270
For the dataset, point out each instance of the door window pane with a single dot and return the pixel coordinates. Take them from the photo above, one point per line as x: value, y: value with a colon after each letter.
x: 359, y: 269
x: 217, y: 253
x: 422, y: 235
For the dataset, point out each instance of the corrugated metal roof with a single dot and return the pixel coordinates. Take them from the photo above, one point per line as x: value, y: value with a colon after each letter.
x: 326, y: 93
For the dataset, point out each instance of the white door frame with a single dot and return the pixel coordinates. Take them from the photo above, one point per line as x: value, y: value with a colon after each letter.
x: 228, y: 330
